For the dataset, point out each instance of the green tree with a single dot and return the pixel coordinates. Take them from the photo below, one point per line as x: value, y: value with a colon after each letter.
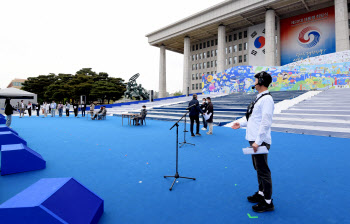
x: 39, y: 85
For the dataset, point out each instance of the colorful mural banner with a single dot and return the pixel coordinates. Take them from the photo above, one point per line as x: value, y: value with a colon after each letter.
x: 307, y: 35
x: 304, y: 77
x: 257, y: 44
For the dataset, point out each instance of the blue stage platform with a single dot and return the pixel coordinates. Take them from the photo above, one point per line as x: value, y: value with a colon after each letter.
x: 125, y: 165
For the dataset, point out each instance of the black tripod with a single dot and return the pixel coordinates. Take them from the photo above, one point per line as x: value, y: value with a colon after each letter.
x: 184, y: 142
x: 177, y: 176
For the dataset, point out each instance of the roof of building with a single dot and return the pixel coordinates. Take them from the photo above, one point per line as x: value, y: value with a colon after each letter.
x: 234, y: 14
x: 15, y: 92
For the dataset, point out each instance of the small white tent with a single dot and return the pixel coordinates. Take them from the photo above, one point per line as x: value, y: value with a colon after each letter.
x: 16, y: 95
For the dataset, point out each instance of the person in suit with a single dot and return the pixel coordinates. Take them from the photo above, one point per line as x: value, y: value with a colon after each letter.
x: 8, y: 111
x: 194, y: 114
x: 75, y: 107
x: 83, y: 108
x: 210, y: 110
x: 258, y: 121
x: 204, y: 109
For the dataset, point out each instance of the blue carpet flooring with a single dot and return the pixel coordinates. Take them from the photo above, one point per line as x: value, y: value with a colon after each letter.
x: 125, y: 166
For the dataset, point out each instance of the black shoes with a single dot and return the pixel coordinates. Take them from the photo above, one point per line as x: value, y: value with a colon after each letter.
x: 192, y: 135
x: 263, y: 206
x: 198, y: 134
x: 256, y: 198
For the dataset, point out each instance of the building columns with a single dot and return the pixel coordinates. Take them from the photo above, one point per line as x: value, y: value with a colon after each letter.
x: 162, y: 72
x: 278, y: 47
x: 221, y: 48
x: 186, y: 69
x: 270, y: 38
x: 341, y: 25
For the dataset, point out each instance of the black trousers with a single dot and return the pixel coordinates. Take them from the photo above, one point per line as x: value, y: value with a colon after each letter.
x: 37, y: 112
x: 76, y: 112
x: 67, y: 112
x: 30, y: 111
x: 194, y: 118
x: 263, y: 171
x: 83, y: 112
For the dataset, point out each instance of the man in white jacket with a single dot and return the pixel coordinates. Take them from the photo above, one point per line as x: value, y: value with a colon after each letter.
x: 258, y: 121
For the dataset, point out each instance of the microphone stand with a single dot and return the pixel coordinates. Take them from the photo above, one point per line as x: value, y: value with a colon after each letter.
x: 184, y: 142
x: 177, y: 176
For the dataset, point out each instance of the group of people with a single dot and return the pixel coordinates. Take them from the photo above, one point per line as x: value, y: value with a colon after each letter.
x: 206, y: 109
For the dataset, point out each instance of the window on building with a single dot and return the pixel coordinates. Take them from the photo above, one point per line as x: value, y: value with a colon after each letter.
x: 235, y: 60
x: 192, y: 76
x: 235, y: 36
x: 204, y: 55
x: 245, y: 34
x: 200, y: 46
x: 245, y: 58
x: 226, y: 61
x: 196, y: 56
x: 245, y: 46
x: 216, y: 52
x: 192, y: 67
x: 197, y: 86
x: 216, y: 41
x: 208, y: 54
x: 203, y: 65
x: 200, y: 56
x: 226, y: 39
x: 212, y: 42
x: 193, y: 57
x: 192, y: 47
x: 240, y: 47
x: 208, y: 64
x: 197, y: 76
x: 226, y: 50
x: 192, y: 86
x: 200, y: 65
x: 204, y: 45
x: 229, y: 38
x: 240, y: 35
x: 212, y: 53
x: 276, y: 40
x: 211, y: 64
x: 230, y: 49
x: 216, y: 63
x: 240, y: 59
x: 196, y: 47
x: 208, y: 43
x: 235, y: 48
x: 230, y: 61
x: 196, y: 66
x: 201, y: 85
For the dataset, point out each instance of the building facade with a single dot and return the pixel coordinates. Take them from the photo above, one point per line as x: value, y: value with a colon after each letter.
x: 16, y: 83
x: 256, y: 32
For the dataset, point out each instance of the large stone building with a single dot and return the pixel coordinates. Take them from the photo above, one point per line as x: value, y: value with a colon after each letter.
x: 251, y: 32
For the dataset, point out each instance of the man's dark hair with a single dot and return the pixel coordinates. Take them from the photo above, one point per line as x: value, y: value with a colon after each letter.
x: 194, y: 96
x: 265, y: 77
x: 208, y: 98
x: 144, y: 106
x: 204, y: 99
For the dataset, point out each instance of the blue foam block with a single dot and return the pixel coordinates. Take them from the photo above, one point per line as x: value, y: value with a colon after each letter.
x: 2, y: 116
x: 53, y: 200
x: 19, y: 158
x: 5, y: 128
x: 9, y: 138
x: 2, y: 121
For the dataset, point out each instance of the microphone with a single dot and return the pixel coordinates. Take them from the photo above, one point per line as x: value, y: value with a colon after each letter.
x: 191, y: 106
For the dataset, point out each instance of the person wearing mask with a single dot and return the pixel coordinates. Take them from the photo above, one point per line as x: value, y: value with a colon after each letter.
x: 60, y: 109
x: 29, y: 108
x: 210, y: 110
x: 21, y: 109
x: 67, y: 109
x: 37, y: 108
x: 8, y: 111
x: 53, y: 107
x: 194, y: 114
x: 75, y: 107
x: 258, y: 121
x: 92, y: 108
x: 204, y: 109
x: 99, y: 113
x: 83, y: 108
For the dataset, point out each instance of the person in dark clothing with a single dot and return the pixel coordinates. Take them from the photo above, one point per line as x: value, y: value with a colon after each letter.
x: 75, y: 107
x: 37, y: 108
x: 83, y: 108
x: 194, y: 114
x: 8, y: 111
x: 142, y: 115
x: 204, y: 109
x: 210, y: 110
